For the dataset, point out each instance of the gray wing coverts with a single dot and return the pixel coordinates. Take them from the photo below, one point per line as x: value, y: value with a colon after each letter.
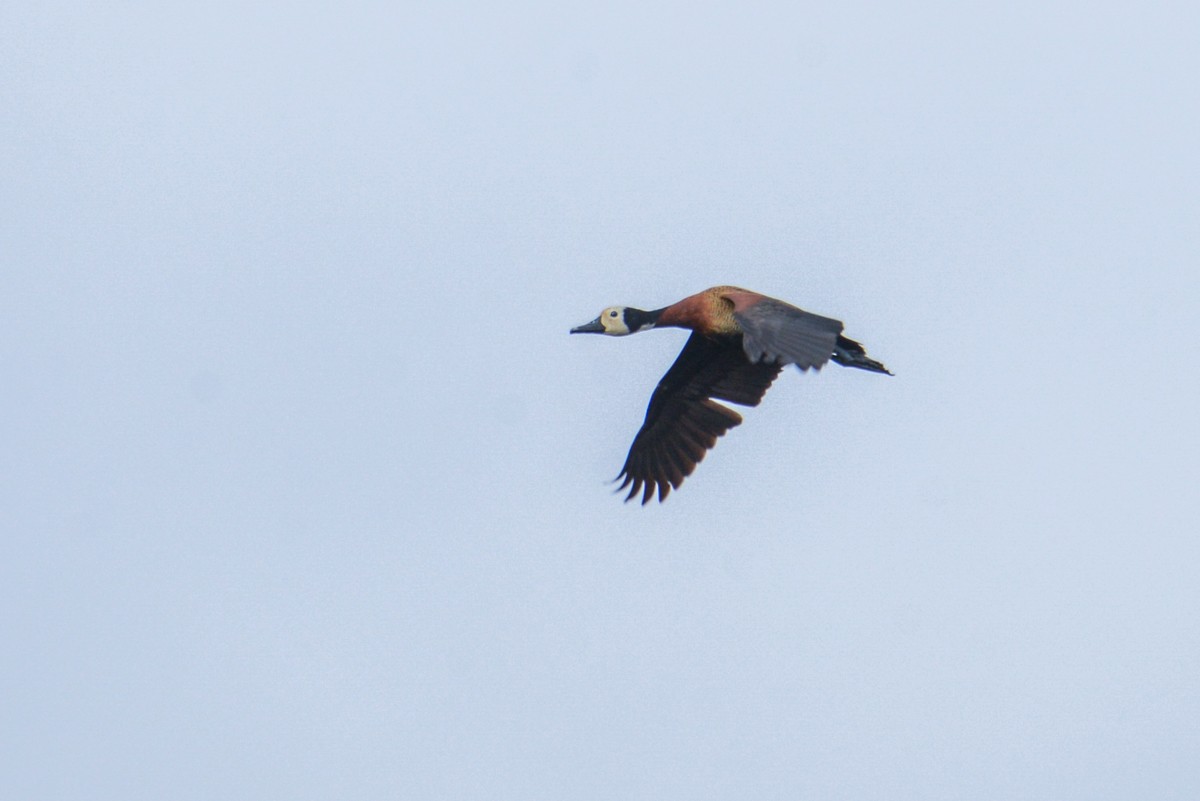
x: 773, y: 331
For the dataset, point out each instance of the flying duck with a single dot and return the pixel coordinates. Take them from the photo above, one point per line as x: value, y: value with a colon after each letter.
x: 740, y: 342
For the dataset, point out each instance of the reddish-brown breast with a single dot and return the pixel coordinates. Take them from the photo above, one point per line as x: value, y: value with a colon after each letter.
x: 710, y: 311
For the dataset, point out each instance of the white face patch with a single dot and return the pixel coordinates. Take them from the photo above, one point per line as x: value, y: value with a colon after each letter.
x: 613, y: 320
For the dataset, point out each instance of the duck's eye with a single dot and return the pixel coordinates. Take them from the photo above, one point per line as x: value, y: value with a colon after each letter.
x: 612, y: 314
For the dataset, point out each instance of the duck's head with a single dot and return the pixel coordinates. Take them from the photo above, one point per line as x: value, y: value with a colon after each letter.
x: 618, y: 321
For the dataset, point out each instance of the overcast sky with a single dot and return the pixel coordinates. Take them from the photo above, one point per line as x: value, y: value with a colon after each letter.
x: 303, y: 483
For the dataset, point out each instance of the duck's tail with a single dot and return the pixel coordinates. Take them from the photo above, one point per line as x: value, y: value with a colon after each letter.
x: 849, y: 353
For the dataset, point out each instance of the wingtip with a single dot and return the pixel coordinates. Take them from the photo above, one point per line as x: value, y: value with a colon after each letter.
x: 647, y: 489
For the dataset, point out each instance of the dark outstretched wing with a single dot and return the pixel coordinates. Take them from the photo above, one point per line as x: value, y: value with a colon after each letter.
x: 683, y: 421
x: 774, y: 331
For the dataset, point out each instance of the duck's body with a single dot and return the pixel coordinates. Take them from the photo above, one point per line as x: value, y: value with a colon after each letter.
x: 740, y: 342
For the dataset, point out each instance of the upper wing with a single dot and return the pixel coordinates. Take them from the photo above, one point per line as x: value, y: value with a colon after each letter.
x: 682, y: 420
x: 774, y: 331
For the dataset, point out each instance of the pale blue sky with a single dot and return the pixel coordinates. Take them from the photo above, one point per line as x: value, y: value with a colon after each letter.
x: 303, y: 484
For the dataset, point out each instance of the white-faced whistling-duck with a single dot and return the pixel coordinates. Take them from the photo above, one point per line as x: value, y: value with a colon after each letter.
x: 740, y: 342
